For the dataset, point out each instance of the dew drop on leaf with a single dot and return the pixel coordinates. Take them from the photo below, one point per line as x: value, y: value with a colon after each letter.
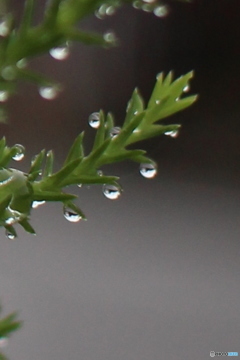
x: 20, y: 152
x: 60, y: 52
x: 161, y: 11
x: 94, y: 120
x: 4, y: 95
x: 109, y: 37
x: 115, y: 131
x: 186, y: 88
x: 21, y: 64
x: 36, y: 204
x: 172, y: 133
x: 4, y: 27
x: 111, y: 192
x: 148, y: 170
x: 71, y: 215
x: 10, y: 236
x: 48, y: 92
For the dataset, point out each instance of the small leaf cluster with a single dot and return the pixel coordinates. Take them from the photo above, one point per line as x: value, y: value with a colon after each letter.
x: 20, y: 191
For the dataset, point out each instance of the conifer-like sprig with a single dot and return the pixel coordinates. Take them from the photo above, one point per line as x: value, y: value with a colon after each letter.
x: 20, y: 192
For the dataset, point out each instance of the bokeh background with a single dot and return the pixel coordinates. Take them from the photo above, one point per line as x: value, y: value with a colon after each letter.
x: 155, y: 274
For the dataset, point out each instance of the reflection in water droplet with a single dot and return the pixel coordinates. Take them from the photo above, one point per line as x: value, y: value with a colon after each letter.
x: 158, y: 102
x: 148, y: 170
x: 79, y: 185
x: 71, y: 215
x: 4, y: 95
x: 48, y: 92
x: 115, y: 131
x: 36, y: 204
x: 60, y: 52
x: 161, y: 11
x: 20, y: 151
x: 186, y: 88
x: 10, y: 236
x: 94, y: 120
x: 172, y: 133
x: 111, y: 192
x: 3, y: 342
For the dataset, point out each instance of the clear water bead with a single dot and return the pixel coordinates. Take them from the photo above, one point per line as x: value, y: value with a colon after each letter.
x: 10, y: 236
x: 186, y: 88
x: 172, y: 133
x: 71, y: 215
x: 20, y: 152
x: 148, y: 170
x: 94, y: 120
x: 36, y: 204
x: 60, y: 52
x: 21, y: 64
x: 48, y: 92
x: 111, y: 192
x: 115, y: 131
x: 4, y: 95
x: 161, y: 11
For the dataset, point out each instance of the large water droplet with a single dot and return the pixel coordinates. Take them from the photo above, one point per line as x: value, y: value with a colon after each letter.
x: 10, y: 236
x: 49, y: 92
x: 94, y: 120
x: 172, y: 133
x: 115, y: 131
x: 4, y: 95
x: 161, y: 11
x: 137, y: 4
x: 111, y: 192
x: 36, y: 204
x: 71, y: 215
x: 148, y: 170
x: 20, y: 152
x: 3, y: 342
x: 110, y: 10
x: 60, y: 52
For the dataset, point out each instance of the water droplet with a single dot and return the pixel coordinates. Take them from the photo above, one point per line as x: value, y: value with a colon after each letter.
x: 148, y: 170
x: 186, y: 88
x: 172, y: 133
x: 10, y: 236
x: 21, y: 64
x: 147, y: 7
x: 94, y: 120
x: 110, y: 10
x: 4, y: 95
x: 4, y: 27
x: 79, y: 185
x: 20, y: 152
x: 71, y: 215
x: 36, y: 204
x: 111, y: 192
x: 115, y: 131
x: 60, y: 52
x: 161, y: 11
x: 3, y: 342
x: 149, y: 1
x: 49, y: 92
x: 9, y: 73
x: 158, y: 102
x: 100, y: 173
x: 110, y: 37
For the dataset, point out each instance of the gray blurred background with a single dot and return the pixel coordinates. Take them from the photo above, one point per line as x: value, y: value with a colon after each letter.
x: 155, y: 274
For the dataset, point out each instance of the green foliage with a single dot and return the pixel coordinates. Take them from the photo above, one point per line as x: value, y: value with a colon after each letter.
x: 19, y: 192
x: 8, y: 325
